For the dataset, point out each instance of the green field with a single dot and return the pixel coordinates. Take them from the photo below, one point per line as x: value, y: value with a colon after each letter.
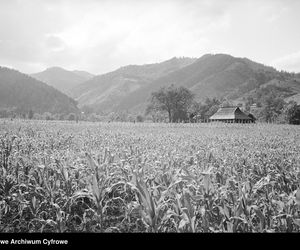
x: 142, y: 177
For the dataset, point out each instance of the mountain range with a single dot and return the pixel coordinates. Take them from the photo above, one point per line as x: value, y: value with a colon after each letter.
x: 129, y: 88
x: 220, y: 75
x: 62, y: 79
x: 106, y: 92
x: 24, y: 93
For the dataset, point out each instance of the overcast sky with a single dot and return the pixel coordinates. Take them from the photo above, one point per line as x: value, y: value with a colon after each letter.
x: 101, y: 36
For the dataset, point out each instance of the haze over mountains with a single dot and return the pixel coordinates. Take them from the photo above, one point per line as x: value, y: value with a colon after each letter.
x: 62, y: 79
x: 130, y: 87
x: 105, y: 92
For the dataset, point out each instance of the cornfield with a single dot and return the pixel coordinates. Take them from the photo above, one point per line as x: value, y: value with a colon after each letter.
x: 142, y: 177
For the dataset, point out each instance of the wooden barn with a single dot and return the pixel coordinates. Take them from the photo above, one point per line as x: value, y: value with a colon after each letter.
x: 232, y: 115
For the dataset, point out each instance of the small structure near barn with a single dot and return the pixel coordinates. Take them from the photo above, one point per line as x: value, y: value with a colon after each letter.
x: 232, y: 115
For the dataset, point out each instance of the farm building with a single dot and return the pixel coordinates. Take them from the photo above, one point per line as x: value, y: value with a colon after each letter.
x: 232, y: 115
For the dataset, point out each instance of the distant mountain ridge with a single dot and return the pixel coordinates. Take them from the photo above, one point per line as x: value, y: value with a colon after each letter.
x: 212, y: 75
x: 20, y: 91
x: 83, y: 74
x: 62, y: 79
x: 129, y: 88
x: 107, y: 90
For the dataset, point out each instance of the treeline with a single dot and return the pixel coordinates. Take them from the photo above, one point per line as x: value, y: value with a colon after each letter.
x: 16, y: 113
x: 270, y: 105
x: 178, y: 104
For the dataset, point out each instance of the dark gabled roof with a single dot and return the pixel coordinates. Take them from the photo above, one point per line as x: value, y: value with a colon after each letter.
x: 230, y: 113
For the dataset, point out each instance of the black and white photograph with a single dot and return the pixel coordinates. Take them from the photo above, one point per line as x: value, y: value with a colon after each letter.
x: 148, y: 116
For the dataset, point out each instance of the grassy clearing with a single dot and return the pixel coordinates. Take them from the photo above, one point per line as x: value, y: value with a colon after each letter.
x: 124, y: 177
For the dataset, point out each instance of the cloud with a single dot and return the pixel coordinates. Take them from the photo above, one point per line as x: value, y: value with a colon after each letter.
x: 290, y: 62
x: 100, y: 36
x: 273, y: 11
x: 103, y: 35
x: 54, y: 42
x: 23, y: 28
x: 111, y: 35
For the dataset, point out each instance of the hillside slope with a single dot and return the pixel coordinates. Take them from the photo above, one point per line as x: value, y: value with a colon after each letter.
x: 84, y: 74
x: 61, y: 79
x: 23, y: 92
x: 106, y: 91
x: 220, y: 75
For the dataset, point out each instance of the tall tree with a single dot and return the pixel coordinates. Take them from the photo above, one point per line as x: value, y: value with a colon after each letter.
x: 272, y: 108
x: 175, y: 101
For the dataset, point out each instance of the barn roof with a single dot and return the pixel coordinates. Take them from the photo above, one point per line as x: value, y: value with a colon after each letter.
x: 229, y: 114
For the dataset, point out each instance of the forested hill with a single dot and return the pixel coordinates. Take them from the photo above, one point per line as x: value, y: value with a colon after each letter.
x: 107, y: 90
x: 24, y: 93
x: 212, y: 75
x: 220, y: 76
x: 62, y: 79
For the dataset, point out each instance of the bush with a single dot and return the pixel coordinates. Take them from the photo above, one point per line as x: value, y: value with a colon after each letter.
x: 47, y: 116
x: 71, y: 117
x: 140, y: 118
